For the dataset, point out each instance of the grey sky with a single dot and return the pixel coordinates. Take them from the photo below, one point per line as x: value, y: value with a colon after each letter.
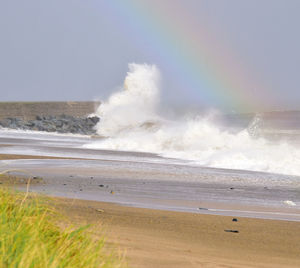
x: 71, y: 49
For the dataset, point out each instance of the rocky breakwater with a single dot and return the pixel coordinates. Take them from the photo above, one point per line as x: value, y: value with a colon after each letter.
x: 60, y: 124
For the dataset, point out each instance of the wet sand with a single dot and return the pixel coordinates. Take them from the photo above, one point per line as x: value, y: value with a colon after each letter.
x: 19, y: 156
x: 162, y: 186
x: 154, y: 238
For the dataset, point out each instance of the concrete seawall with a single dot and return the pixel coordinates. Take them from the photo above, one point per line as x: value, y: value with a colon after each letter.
x: 29, y: 110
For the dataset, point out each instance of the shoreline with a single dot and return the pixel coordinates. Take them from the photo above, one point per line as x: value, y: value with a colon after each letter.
x: 102, y: 181
x: 164, y: 238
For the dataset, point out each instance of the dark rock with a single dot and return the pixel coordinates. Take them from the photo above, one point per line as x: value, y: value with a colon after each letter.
x: 6, y: 122
x: 60, y: 124
x: 101, y: 185
x: 232, y: 231
x: 29, y: 124
x: 94, y: 119
x: 235, y: 219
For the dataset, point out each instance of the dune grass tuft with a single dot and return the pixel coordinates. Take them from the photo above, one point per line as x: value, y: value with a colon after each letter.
x: 30, y: 237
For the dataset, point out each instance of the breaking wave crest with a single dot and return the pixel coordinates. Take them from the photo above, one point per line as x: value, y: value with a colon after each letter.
x: 130, y: 121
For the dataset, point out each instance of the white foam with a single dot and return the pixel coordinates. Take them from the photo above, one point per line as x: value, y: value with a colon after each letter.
x: 134, y: 105
x: 34, y: 134
x: 131, y: 122
x: 289, y: 203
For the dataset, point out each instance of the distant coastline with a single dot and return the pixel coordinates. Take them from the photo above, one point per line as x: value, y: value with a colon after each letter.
x: 29, y: 110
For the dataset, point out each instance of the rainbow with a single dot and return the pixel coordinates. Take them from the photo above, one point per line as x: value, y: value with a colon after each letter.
x: 190, y: 53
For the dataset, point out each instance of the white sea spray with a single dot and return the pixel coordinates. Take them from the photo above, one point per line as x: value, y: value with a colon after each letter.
x: 130, y: 121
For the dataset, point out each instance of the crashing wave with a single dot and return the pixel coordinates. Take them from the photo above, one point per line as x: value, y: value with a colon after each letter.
x: 131, y: 122
x: 255, y: 126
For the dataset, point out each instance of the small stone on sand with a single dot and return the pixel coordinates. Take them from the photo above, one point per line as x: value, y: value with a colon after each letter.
x: 232, y: 231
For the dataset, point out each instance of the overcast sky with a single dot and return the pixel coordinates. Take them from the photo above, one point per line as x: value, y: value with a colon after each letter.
x: 74, y: 50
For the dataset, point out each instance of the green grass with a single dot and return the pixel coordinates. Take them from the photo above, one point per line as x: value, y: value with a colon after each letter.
x: 30, y: 237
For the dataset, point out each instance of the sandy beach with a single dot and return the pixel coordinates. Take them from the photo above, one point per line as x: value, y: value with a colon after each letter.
x: 160, y: 238
x: 155, y: 238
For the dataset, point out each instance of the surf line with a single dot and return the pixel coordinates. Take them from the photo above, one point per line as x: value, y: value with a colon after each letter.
x: 253, y: 211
